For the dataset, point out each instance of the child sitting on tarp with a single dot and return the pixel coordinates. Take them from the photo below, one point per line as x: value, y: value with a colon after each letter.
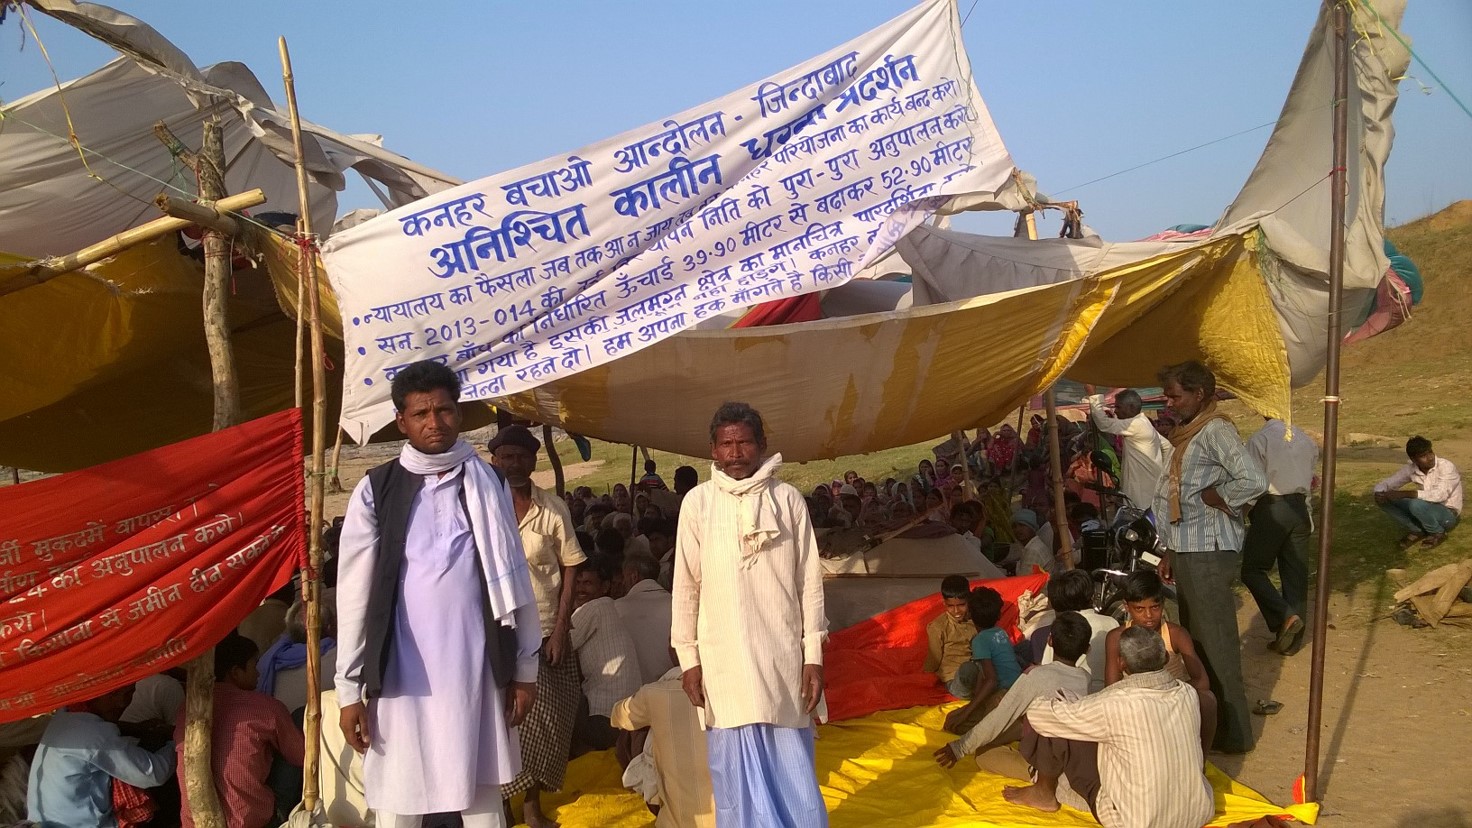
x: 1070, y: 641
x: 993, y: 667
x: 949, y: 636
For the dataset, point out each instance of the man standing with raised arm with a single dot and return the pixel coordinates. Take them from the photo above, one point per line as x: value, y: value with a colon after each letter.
x: 1144, y: 449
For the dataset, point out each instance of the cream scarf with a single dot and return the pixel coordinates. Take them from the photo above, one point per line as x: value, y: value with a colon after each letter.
x: 758, y: 510
x: 492, y: 524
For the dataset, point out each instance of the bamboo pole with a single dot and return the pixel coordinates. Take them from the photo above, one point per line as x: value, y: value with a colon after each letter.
x: 559, y: 477
x: 335, y: 484
x: 1016, y: 458
x: 311, y: 587
x: 199, y: 692
x: 204, y: 215
x: 44, y: 270
x: 968, y: 487
x: 1061, y: 535
x: 301, y: 334
x: 1338, y: 189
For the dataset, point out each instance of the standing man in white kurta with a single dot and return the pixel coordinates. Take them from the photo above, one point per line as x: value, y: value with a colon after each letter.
x: 749, y: 627
x: 1144, y: 449
x: 431, y: 574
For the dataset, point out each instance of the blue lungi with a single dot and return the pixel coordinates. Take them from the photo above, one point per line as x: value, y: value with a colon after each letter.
x: 763, y: 776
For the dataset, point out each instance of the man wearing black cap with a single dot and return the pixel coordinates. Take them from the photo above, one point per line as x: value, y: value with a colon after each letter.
x: 552, y: 556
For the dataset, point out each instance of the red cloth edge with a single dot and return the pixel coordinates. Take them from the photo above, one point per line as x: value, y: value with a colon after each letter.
x: 876, y: 664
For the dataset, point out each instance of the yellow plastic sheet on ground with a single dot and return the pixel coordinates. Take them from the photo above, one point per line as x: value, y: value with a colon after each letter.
x: 877, y: 772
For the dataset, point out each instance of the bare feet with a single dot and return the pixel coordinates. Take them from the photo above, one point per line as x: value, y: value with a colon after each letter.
x: 532, y: 813
x: 1031, y: 796
x: 1433, y: 541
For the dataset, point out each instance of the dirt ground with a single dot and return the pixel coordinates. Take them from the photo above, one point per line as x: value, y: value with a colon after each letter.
x: 1397, y: 712
x: 1397, y: 718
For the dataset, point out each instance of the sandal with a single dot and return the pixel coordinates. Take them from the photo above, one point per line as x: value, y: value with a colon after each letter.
x: 1433, y: 541
x: 1267, y: 707
x: 1409, y: 540
x: 1290, y: 635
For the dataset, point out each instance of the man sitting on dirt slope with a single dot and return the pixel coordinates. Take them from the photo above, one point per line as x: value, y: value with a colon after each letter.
x: 1431, y: 509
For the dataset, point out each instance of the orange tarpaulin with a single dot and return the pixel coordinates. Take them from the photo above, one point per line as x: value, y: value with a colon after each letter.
x: 876, y: 664
x: 120, y: 571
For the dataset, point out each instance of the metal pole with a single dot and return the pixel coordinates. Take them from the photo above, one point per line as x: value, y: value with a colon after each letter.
x: 1338, y: 187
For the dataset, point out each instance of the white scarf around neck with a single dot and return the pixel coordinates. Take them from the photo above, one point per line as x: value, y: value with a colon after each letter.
x: 492, y: 524
x: 758, y: 509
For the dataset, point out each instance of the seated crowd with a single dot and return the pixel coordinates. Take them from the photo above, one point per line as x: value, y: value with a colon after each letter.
x: 1111, y: 719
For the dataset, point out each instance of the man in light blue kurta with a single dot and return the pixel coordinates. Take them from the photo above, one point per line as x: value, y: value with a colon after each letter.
x: 80, y: 754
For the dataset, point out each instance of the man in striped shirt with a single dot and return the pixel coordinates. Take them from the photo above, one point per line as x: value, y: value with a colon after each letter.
x: 1132, y: 751
x: 1208, y: 481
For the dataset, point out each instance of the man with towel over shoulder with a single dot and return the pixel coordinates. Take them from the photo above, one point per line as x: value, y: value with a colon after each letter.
x: 748, y: 629
x: 437, y: 624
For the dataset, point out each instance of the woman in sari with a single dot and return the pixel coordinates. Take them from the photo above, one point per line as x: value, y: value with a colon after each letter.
x: 925, y: 479
x: 902, y: 494
x: 1003, y: 451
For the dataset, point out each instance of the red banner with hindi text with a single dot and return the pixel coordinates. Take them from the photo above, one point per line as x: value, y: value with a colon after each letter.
x: 120, y: 571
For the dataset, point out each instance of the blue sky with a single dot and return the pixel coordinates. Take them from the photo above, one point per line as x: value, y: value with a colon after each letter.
x: 1079, y: 90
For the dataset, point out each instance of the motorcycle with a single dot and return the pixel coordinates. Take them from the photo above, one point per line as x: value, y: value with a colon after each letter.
x: 1128, y: 542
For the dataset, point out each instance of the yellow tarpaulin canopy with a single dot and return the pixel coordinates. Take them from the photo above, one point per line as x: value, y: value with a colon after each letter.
x: 858, y: 384
x: 110, y: 361
x: 878, y: 772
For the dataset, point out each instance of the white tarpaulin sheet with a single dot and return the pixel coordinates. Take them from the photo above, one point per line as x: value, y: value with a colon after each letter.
x: 790, y: 185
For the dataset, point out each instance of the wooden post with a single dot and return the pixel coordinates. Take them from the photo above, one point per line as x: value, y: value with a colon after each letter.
x: 208, y: 216
x: 1016, y: 458
x: 1338, y: 194
x: 558, y: 476
x: 633, y: 472
x: 968, y: 487
x: 209, y: 167
x: 335, y: 484
x: 15, y: 475
x: 1061, y: 534
x: 311, y: 586
x: 40, y: 272
x: 199, y: 690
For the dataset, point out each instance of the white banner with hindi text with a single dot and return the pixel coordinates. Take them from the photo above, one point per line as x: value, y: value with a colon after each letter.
x: 789, y: 186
